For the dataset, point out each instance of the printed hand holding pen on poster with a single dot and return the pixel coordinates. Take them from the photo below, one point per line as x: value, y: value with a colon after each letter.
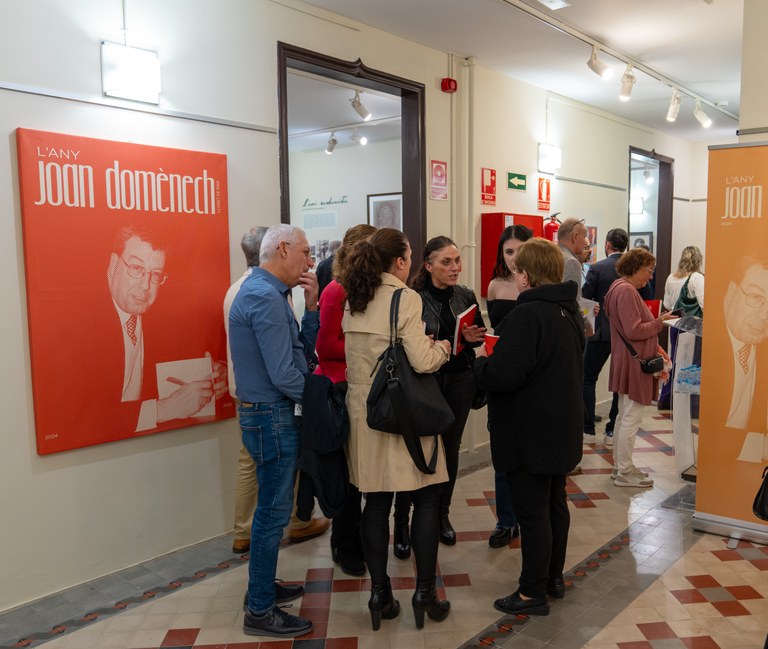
x: 733, y: 430
x: 127, y: 263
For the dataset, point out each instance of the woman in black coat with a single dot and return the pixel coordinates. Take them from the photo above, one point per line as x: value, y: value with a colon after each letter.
x: 535, y: 413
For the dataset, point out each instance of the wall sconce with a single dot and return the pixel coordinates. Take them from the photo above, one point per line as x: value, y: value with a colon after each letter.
x: 130, y: 73
x: 550, y: 157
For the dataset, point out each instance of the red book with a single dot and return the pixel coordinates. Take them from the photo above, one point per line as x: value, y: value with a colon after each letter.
x: 654, y: 306
x: 464, y: 318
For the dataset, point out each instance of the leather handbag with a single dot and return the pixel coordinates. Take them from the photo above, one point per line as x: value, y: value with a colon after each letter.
x: 760, y: 506
x: 689, y: 305
x: 405, y: 402
x: 652, y: 365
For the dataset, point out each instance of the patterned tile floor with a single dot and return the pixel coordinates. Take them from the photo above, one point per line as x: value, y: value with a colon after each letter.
x: 638, y: 578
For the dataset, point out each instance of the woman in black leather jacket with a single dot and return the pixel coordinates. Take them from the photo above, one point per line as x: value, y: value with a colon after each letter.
x: 443, y: 300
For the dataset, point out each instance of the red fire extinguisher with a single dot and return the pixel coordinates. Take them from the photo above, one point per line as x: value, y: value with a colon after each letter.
x: 551, y: 227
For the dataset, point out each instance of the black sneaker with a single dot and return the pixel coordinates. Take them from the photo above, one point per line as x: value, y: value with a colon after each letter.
x: 283, y: 594
x: 276, y: 623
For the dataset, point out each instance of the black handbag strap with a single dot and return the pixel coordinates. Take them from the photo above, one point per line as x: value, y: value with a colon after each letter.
x: 412, y: 441
x: 629, y: 347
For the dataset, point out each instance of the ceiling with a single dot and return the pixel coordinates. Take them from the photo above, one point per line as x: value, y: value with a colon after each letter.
x: 693, y: 43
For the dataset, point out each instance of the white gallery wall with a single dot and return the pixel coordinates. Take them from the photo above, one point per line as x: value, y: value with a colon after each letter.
x: 71, y: 517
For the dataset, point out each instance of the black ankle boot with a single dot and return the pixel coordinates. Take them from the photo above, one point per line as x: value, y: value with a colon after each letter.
x: 447, y: 533
x: 382, y: 604
x: 425, y: 599
x: 402, y: 541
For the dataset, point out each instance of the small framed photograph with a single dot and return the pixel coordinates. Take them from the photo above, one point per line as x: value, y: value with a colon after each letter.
x: 641, y: 239
x: 592, y: 234
x: 386, y: 210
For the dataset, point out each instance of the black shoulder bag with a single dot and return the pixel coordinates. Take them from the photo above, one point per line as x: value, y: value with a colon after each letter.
x: 760, y: 506
x: 651, y: 365
x: 405, y: 402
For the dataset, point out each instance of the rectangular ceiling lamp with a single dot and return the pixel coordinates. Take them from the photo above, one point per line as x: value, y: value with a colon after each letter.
x: 130, y: 73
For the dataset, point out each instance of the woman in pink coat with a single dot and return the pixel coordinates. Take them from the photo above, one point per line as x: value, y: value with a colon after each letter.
x: 631, y: 321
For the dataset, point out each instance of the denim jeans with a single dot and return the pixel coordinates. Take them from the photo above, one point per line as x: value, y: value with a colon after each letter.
x: 504, y: 511
x: 271, y: 437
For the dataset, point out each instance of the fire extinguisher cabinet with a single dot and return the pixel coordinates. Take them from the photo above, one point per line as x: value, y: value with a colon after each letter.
x: 492, y: 224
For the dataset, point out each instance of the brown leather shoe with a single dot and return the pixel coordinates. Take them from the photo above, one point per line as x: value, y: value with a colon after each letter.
x: 316, y: 527
x: 241, y: 546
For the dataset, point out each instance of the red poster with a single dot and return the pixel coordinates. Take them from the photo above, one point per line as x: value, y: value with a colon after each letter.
x: 488, y: 184
x: 439, y: 180
x: 127, y: 261
x: 545, y: 195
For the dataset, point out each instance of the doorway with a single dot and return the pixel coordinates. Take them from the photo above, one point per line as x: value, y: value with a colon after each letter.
x: 651, y: 180
x: 367, y: 86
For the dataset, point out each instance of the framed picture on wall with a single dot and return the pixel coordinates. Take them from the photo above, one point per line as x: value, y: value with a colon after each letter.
x: 641, y: 239
x: 592, y: 234
x: 386, y: 210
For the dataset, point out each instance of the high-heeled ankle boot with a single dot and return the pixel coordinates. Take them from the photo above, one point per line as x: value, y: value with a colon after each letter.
x: 402, y: 541
x: 382, y: 604
x: 425, y: 599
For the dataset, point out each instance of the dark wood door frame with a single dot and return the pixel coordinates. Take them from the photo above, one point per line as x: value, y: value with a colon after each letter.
x: 413, y: 144
x: 663, y: 215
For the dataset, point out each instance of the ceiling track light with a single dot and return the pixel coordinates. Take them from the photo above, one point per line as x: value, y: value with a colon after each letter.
x: 360, y: 139
x: 332, y: 142
x: 700, y: 115
x: 649, y: 179
x: 361, y: 110
x: 627, y: 82
x: 674, y: 106
x: 598, y: 67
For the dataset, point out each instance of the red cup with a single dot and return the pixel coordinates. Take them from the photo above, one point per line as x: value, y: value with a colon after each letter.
x: 490, y: 343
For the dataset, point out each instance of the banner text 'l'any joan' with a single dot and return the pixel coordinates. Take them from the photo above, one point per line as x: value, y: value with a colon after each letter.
x: 733, y: 430
x: 127, y: 262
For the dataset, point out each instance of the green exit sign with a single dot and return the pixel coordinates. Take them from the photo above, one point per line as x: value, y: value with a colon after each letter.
x: 516, y: 181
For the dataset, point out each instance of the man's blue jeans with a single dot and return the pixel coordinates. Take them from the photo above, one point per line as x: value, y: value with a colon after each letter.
x: 271, y: 437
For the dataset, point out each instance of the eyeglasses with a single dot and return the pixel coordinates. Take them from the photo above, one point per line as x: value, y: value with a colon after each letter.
x: 754, y: 300
x: 156, y: 276
x: 307, y: 251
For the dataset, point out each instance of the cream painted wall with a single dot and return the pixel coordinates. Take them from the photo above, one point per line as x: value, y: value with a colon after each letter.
x: 71, y: 517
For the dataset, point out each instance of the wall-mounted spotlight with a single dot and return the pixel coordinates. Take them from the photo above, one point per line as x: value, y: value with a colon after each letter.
x: 627, y: 81
x: 598, y: 67
x: 130, y: 73
x: 361, y: 110
x: 648, y: 177
x: 674, y: 106
x: 360, y: 139
x: 332, y: 142
x: 700, y: 115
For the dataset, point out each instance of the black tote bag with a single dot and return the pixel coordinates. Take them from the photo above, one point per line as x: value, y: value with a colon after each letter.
x: 405, y: 402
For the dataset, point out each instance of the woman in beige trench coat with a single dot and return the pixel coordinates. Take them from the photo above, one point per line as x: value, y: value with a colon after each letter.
x: 379, y: 463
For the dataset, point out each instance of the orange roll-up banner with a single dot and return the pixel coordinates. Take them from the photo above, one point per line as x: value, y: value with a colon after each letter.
x: 126, y: 257
x: 733, y: 434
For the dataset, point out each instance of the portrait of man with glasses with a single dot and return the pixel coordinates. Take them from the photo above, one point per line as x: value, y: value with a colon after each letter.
x: 746, y: 319
x: 113, y: 331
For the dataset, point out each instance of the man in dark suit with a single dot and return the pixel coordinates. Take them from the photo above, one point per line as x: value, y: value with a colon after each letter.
x: 599, y: 279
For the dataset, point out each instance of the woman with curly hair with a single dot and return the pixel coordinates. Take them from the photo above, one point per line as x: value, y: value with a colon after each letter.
x: 631, y: 322
x: 379, y: 462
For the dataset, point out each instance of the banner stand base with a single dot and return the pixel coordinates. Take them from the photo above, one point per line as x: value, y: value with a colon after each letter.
x: 731, y: 527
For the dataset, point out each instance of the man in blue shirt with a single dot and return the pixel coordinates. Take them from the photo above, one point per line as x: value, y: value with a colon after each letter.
x: 269, y: 356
